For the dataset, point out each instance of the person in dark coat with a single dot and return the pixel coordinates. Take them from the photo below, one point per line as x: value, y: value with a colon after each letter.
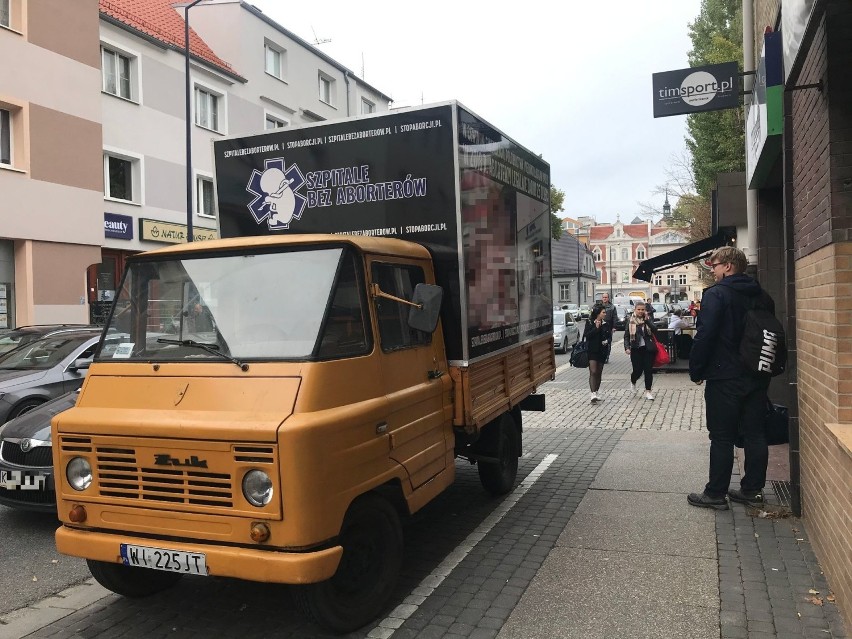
x: 735, y: 400
x: 597, y: 336
x: 638, y: 344
x: 608, y: 322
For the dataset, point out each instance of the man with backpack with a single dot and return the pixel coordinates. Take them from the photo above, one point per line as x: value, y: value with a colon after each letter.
x: 734, y: 341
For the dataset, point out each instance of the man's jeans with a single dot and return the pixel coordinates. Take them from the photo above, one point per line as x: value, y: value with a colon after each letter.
x: 736, y: 406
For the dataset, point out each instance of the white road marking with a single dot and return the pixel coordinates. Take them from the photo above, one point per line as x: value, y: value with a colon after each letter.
x: 398, y: 615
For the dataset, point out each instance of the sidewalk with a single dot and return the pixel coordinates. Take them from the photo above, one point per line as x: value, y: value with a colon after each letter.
x: 605, y: 546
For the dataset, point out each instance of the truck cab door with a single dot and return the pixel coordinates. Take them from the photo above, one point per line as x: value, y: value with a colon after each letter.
x: 414, y: 375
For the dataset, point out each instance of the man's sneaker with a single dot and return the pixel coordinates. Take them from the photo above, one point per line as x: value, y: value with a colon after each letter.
x: 703, y: 500
x: 745, y: 497
x: 594, y: 398
x: 649, y: 395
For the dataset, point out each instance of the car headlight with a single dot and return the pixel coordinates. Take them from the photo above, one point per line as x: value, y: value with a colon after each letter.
x: 257, y: 488
x: 79, y: 473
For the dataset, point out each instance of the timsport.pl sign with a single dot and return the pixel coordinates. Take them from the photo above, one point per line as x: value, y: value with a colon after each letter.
x: 708, y: 88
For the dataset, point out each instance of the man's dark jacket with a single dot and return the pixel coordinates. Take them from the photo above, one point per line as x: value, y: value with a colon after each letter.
x: 715, y: 351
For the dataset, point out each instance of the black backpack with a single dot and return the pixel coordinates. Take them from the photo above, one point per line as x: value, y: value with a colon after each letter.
x: 763, y: 347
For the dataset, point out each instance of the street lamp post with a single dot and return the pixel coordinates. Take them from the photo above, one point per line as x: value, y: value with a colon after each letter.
x: 189, y: 231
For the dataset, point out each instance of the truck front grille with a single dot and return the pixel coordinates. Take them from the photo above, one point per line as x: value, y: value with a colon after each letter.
x: 120, y: 475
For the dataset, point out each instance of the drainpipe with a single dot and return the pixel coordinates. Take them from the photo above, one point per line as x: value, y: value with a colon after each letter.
x: 750, y: 249
x: 346, y: 79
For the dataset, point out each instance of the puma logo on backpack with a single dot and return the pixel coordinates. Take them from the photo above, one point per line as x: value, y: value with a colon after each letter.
x: 763, y: 347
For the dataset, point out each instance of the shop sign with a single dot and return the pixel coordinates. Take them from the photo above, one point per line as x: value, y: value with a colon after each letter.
x: 171, y: 233
x: 709, y: 88
x: 117, y: 226
x: 764, y: 122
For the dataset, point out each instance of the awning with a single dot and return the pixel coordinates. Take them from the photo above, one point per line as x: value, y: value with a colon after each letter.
x: 681, y: 255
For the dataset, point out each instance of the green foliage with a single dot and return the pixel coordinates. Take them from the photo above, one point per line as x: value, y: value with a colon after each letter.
x: 557, y: 204
x: 716, y: 139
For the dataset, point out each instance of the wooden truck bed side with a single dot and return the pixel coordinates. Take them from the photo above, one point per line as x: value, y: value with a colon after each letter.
x: 489, y: 387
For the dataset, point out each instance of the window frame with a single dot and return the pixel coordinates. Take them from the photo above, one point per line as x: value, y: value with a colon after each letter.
x: 325, y: 78
x: 416, y: 338
x: 625, y: 254
x: 371, y: 106
x: 682, y: 279
x: 8, y: 11
x: 221, y: 103
x: 207, y: 179
x: 271, y: 47
x: 669, y: 279
x: 7, y: 140
x: 137, y: 182
x: 268, y: 116
x: 640, y: 253
x: 133, y: 83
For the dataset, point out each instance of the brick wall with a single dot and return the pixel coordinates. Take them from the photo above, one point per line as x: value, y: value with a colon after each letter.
x: 825, y: 397
x: 821, y: 151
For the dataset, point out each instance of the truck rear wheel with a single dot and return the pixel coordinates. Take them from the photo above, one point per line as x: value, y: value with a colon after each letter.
x: 371, y: 537
x: 130, y: 581
x: 499, y: 478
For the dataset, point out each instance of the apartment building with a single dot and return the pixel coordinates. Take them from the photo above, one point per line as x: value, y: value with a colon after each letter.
x: 51, y: 184
x: 100, y: 149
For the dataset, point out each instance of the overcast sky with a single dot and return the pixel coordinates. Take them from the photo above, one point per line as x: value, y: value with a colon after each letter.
x: 570, y: 81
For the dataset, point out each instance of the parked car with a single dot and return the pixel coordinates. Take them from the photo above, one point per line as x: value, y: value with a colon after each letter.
x: 566, y: 333
x: 11, y: 338
x: 574, y: 309
x: 621, y: 315
x: 47, y: 368
x: 26, y: 462
x: 585, y: 309
x: 661, y: 314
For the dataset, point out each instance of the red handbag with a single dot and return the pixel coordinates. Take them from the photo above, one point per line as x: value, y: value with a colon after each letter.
x: 661, y: 357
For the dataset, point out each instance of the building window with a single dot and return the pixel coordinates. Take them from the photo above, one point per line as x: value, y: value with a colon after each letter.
x: 117, y: 69
x: 681, y: 278
x: 5, y: 13
x: 625, y: 277
x: 640, y: 254
x: 612, y: 254
x: 658, y: 280
x: 326, y: 89
x: 367, y: 106
x: 118, y: 178
x: 625, y: 255
x: 204, y: 197
x: 5, y: 136
x: 669, y: 279
x: 274, y: 61
x: 597, y: 253
x: 206, y: 109
x: 564, y: 292
x: 274, y: 123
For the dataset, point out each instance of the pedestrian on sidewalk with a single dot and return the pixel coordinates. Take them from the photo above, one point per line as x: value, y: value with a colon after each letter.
x: 597, y: 339
x: 735, y: 400
x: 639, y: 345
x: 608, y: 322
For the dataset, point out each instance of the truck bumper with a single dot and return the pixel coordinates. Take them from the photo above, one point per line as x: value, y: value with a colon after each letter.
x: 272, y: 566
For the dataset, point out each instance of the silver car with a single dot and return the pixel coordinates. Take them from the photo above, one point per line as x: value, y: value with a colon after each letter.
x: 45, y: 368
x: 566, y: 333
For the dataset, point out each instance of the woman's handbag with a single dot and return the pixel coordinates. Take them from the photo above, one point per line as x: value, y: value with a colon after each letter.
x: 661, y: 357
x: 580, y: 355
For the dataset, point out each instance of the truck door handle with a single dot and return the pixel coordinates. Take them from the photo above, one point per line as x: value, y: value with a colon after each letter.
x: 381, y: 428
x: 436, y: 374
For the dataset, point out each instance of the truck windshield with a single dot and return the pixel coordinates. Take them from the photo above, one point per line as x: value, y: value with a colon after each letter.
x: 264, y: 306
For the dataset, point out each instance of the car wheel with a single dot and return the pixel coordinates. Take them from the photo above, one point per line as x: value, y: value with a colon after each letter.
x: 371, y: 537
x: 130, y: 581
x: 24, y: 407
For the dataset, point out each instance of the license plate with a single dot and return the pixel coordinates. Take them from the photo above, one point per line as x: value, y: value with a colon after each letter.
x: 187, y: 563
x: 22, y: 480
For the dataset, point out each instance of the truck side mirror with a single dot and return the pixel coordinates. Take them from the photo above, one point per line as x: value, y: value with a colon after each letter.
x: 428, y: 297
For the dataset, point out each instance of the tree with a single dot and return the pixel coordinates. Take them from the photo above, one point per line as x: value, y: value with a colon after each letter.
x: 557, y: 201
x: 716, y: 139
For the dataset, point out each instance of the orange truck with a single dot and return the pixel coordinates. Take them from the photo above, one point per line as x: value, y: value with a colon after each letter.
x: 378, y: 305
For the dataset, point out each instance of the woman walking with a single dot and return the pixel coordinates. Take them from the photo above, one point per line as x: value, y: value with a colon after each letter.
x: 641, y: 348
x: 597, y: 336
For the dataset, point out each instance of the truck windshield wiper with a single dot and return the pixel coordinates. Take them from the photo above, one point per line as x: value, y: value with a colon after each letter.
x: 214, y: 349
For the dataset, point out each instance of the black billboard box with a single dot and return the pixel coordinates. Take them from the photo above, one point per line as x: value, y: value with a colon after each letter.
x: 437, y: 175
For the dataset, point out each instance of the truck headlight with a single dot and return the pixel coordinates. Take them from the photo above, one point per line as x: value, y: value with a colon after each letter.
x: 79, y: 473
x: 257, y: 488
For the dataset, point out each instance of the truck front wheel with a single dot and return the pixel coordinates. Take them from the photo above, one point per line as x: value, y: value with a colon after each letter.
x: 371, y: 537
x: 130, y: 581
x: 498, y: 478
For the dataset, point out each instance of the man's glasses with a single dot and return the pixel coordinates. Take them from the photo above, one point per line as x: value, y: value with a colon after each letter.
x: 715, y: 264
